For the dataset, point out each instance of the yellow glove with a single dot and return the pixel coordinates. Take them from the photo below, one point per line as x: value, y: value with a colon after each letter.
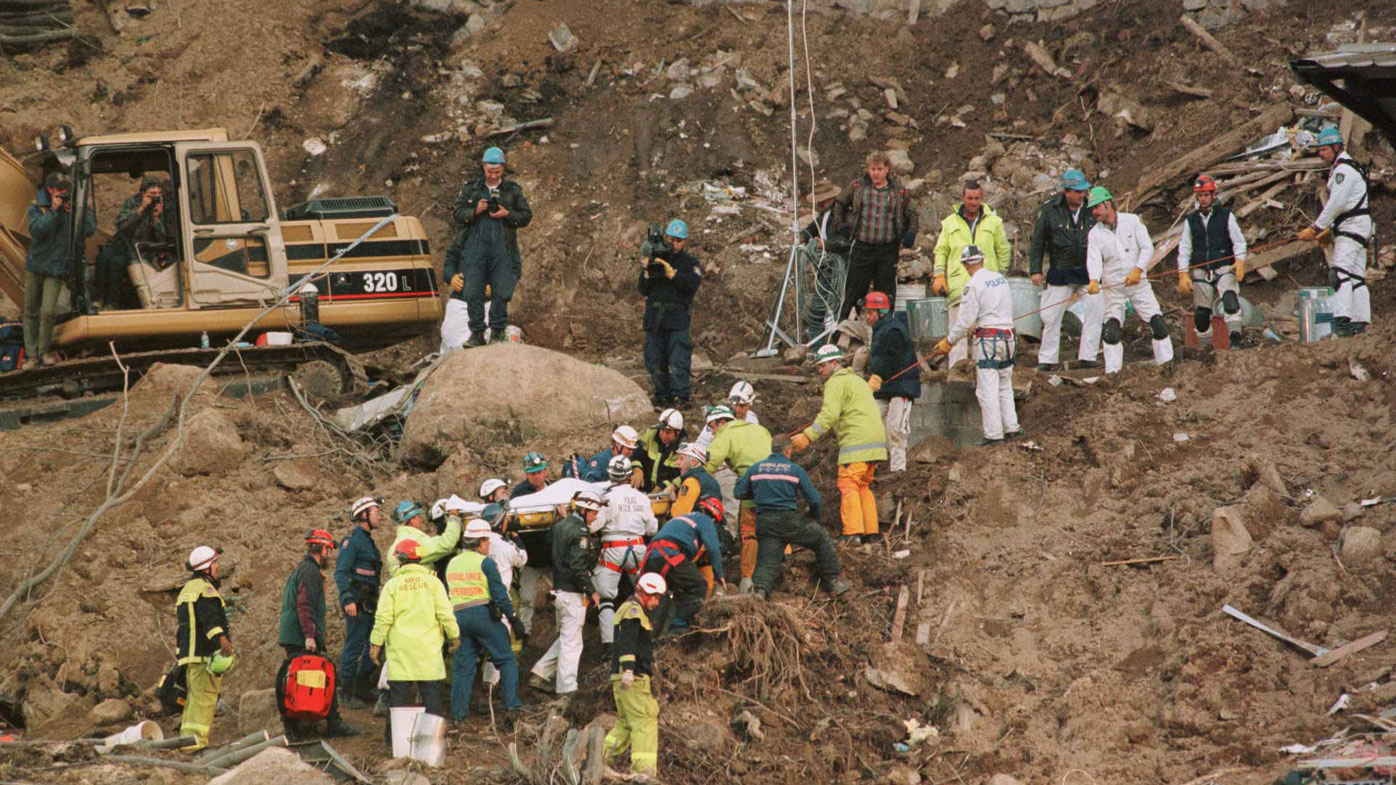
x: 1093, y: 287
x: 800, y: 442
x: 489, y: 290
x: 1308, y: 234
x: 668, y: 269
x: 875, y: 382
x: 1238, y: 267
x: 1185, y: 284
x: 1133, y: 278
x: 375, y: 654
x: 938, y: 285
x: 943, y: 347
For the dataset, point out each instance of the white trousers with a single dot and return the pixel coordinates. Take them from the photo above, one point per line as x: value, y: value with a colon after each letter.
x: 896, y: 416
x: 528, y: 595
x: 994, y: 388
x: 727, y: 481
x: 1206, y: 295
x: 607, y: 583
x: 1055, y: 301
x: 1353, y: 302
x: 561, y: 659
x: 1141, y: 296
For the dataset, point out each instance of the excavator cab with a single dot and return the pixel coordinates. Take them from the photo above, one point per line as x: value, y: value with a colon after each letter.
x: 1361, y: 77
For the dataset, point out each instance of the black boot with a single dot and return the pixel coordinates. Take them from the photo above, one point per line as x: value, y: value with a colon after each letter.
x: 1342, y: 327
x: 338, y: 727
x: 1359, y: 327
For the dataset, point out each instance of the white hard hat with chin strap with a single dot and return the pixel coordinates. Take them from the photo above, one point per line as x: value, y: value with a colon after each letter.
x: 201, y: 558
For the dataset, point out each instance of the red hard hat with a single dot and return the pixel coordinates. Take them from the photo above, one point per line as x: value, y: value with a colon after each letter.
x: 712, y: 506
x: 409, y: 550
x: 1204, y: 184
x: 319, y: 537
x: 877, y: 301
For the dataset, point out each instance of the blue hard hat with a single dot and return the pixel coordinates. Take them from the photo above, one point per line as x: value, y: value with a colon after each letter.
x: 406, y: 511
x: 677, y: 229
x: 492, y: 513
x: 493, y: 155
x: 1074, y: 180
x: 1329, y: 135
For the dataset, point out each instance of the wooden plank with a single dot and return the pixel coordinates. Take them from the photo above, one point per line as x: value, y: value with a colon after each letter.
x: 899, y: 616
x: 1367, y: 642
x: 1309, y: 647
x: 1142, y: 560
x: 1276, y: 255
x: 1348, y: 763
x: 1209, y: 41
x: 1264, y: 123
x: 1259, y: 201
x: 1186, y: 89
x: 923, y: 633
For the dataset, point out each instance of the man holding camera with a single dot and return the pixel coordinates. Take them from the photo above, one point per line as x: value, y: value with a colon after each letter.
x: 46, y: 264
x: 669, y: 278
x: 143, y: 219
x: 490, y: 211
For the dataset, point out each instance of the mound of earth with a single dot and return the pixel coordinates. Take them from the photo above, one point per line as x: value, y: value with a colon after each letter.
x: 515, y: 392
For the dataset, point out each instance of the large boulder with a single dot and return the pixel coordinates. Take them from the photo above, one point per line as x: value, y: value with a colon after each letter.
x: 110, y: 712
x: 1361, y: 544
x: 503, y: 390
x: 274, y: 765
x: 257, y: 711
x: 211, y: 445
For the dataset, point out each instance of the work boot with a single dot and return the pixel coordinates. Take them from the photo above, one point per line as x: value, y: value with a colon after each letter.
x: 1342, y: 327
x: 29, y: 364
x: 1236, y: 339
x: 990, y: 442
x: 51, y: 358
x: 745, y: 586
x: 839, y: 586
x: 760, y: 594
x: 849, y: 539
x: 380, y: 708
x: 871, y: 539
x: 338, y: 727
x: 1358, y: 328
x: 539, y: 683
x: 499, y: 337
x: 1047, y: 366
x: 1088, y: 364
x: 349, y: 700
x: 1018, y: 434
x: 476, y: 339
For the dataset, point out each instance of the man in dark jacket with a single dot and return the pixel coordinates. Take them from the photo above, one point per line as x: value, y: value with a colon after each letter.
x: 1063, y: 224
x: 575, y: 546
x: 895, y: 382
x: 46, y: 265
x: 303, y: 628
x: 825, y: 248
x: 881, y: 219
x: 669, y: 278
x: 675, y: 552
x: 490, y: 210
x: 357, y: 575
x: 143, y: 219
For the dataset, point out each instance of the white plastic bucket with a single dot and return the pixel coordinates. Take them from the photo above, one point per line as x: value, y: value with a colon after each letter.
x: 1027, y: 304
x: 906, y: 293
x: 929, y: 318
x: 145, y: 730
x: 403, y: 720
x: 429, y: 740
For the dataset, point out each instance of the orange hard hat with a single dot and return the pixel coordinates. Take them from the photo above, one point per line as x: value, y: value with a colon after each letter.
x: 409, y: 550
x: 319, y: 537
x: 1204, y: 184
x: 877, y: 301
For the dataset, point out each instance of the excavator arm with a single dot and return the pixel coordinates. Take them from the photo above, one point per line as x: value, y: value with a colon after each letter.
x: 17, y: 191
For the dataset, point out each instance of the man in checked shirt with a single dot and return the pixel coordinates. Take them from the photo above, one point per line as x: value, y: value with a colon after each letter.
x: 881, y: 219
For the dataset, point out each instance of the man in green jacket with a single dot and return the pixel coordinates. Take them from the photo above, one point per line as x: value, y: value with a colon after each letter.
x: 303, y: 628
x: 412, y: 525
x: 46, y: 265
x: 414, y: 620
x: 739, y: 444
x: 850, y: 408
x: 971, y: 222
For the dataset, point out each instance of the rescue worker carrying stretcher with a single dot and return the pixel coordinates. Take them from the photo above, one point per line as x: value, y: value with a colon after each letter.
x: 575, y: 544
x: 674, y: 554
x: 626, y: 523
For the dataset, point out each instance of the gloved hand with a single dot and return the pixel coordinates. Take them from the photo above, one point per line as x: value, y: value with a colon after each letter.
x: 225, y: 646
x: 627, y: 680
x: 1238, y: 268
x: 1134, y: 275
x: 375, y: 653
x: 310, y: 644
x: 943, y: 347
x: 875, y: 382
x: 452, y: 644
x: 909, y: 239
x: 669, y: 270
x: 800, y: 442
x: 457, y: 282
x: 721, y: 587
x: 455, y: 504
x: 515, y: 626
x: 1308, y: 234
x: 1185, y: 284
x: 489, y: 291
x: 1093, y: 287
x: 938, y: 285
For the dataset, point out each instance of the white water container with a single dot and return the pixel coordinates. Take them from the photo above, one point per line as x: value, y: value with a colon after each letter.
x: 907, y: 292
x: 404, y: 720
x: 1315, y: 313
x: 1027, y: 304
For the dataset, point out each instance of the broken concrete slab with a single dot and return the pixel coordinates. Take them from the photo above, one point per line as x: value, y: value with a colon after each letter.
x: 1319, y: 512
x: 1230, y: 538
x: 901, y: 668
x: 274, y: 765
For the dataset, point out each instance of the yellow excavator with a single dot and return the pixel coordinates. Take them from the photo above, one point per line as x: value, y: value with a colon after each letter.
x: 228, y: 255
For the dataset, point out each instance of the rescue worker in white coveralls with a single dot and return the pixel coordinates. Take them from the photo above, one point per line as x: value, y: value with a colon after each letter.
x: 1212, y: 261
x: 1349, y: 217
x: 625, y: 523
x: 986, y: 316
x: 1118, y: 253
x: 575, y: 544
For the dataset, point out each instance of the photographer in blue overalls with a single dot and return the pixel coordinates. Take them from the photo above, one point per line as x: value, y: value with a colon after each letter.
x: 669, y: 278
x: 490, y: 210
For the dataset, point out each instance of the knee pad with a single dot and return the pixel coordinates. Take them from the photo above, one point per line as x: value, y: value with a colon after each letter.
x: 1159, y: 326
x: 1110, y: 331
x: 1202, y: 319
x: 1230, y: 302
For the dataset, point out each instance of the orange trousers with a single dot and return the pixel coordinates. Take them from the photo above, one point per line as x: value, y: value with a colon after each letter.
x: 746, y: 529
x: 858, y: 507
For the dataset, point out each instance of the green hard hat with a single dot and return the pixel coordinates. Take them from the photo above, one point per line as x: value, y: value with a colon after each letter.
x: 219, y: 664
x: 1097, y: 195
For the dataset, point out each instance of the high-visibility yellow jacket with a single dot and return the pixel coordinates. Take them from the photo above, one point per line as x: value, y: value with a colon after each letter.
x: 850, y: 409
x: 435, y: 547
x: 739, y: 444
x: 955, y: 234
x: 413, y: 619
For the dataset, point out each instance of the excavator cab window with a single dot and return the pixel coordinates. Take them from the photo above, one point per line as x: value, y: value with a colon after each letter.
x: 137, y: 247
x: 226, y: 188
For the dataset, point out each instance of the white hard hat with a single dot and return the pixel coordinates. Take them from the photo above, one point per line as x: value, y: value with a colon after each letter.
x: 618, y: 468
x: 588, y: 500
x: 971, y: 255
x: 490, y: 486
x: 438, y: 509
x: 671, y: 418
x: 720, y: 412
x: 363, y: 504
x: 626, y: 436
x: 742, y: 392
x: 694, y: 451
x: 652, y: 583
x: 827, y: 353
x: 201, y: 557
x: 476, y: 529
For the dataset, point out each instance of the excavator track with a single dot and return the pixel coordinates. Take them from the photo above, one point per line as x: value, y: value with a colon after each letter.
x: 99, y: 374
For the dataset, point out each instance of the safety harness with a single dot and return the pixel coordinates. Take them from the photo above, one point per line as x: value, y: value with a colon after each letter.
x: 624, y: 565
x: 669, y: 552
x: 989, y: 341
x: 1360, y: 210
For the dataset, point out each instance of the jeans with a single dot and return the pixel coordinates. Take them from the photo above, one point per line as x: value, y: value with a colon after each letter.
x: 779, y: 528
x: 668, y: 354
x: 478, y: 631
x: 354, y: 663
x: 41, y: 295
x: 870, y: 264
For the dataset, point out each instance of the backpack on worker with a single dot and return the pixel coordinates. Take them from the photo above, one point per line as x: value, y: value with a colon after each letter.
x: 305, y: 687
x: 172, y: 689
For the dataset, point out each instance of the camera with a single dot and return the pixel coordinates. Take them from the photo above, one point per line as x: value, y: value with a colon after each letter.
x: 655, y: 243
x: 494, y: 204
